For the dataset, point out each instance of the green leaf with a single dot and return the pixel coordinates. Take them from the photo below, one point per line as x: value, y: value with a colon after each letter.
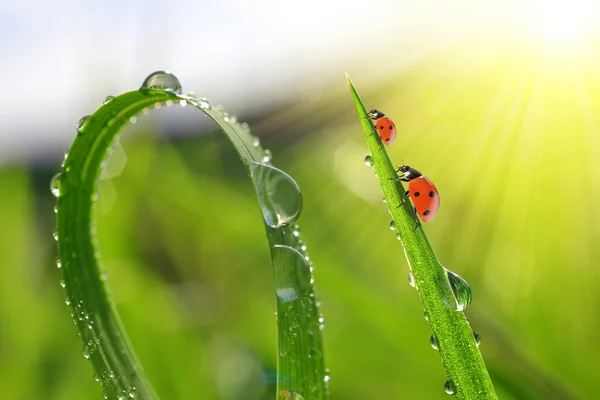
x: 444, y: 294
x: 301, y: 368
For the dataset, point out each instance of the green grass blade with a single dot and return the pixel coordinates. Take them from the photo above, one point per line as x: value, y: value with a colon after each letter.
x: 301, y: 368
x: 459, y: 352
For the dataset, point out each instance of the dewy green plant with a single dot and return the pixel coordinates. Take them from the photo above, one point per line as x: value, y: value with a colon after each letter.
x: 443, y: 293
x: 301, y: 370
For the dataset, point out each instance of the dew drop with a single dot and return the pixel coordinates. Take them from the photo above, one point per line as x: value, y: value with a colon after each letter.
x: 411, y: 279
x: 63, y: 284
x: 384, y: 200
x: 392, y: 225
x: 108, y: 99
x: 461, y: 294
x: 268, y: 156
x: 205, y: 104
x: 292, y: 273
x: 426, y: 315
x: 398, y: 236
x: 162, y: 80
x: 279, y: 196
x: 449, y: 387
x: 256, y: 141
x: 87, y: 352
x: 81, y: 122
x: 133, y: 120
x: 369, y: 161
x: 58, y: 263
x: 55, y: 234
x: 183, y: 103
x: 477, y: 338
x: 433, y: 342
x: 55, y: 185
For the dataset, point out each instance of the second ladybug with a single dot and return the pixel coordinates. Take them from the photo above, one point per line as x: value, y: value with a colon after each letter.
x: 422, y: 191
x: 384, y: 126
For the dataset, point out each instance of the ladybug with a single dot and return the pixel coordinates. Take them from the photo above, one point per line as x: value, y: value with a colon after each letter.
x: 384, y: 125
x: 422, y: 191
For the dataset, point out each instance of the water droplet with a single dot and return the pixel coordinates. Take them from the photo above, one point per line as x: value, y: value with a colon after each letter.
x: 384, y: 200
x: 292, y: 274
x: 278, y: 194
x: 55, y: 234
x: 108, y: 99
x: 183, y: 103
x: 58, y: 263
x: 289, y: 395
x: 255, y: 141
x: 461, y: 292
x: 133, y: 120
x: 398, y: 236
x: 477, y: 338
x: 55, y: 185
x: 87, y: 352
x: 411, y: 279
x: 81, y: 122
x: 268, y: 156
x: 392, y: 225
x: 449, y: 387
x: 426, y: 315
x: 162, y: 80
x: 157, y: 105
x: 63, y: 284
x: 433, y: 342
x: 369, y: 161
x: 67, y: 301
x: 205, y: 104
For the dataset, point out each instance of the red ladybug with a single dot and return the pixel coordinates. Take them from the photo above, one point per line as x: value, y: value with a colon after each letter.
x: 384, y: 125
x: 422, y: 191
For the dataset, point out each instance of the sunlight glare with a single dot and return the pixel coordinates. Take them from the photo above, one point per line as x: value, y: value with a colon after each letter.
x: 562, y: 21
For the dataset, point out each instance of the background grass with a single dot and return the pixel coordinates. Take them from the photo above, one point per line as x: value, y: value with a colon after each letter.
x: 513, y: 154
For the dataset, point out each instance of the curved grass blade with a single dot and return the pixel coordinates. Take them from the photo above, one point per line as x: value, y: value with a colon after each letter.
x: 444, y: 294
x: 301, y: 370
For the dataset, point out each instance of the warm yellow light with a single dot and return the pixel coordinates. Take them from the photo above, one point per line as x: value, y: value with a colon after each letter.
x: 562, y: 21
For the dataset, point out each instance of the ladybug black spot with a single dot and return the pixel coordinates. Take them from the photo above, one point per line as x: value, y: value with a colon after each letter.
x: 391, y: 127
x: 432, y: 194
x: 388, y: 139
x: 381, y: 127
x: 427, y: 212
x: 416, y: 194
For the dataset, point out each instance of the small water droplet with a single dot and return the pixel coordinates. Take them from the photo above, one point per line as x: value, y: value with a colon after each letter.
x: 268, y: 156
x: 169, y: 103
x: 461, y: 292
x: 449, y: 387
x: 426, y: 315
x: 108, y: 99
x: 398, y: 236
x: 327, y: 378
x: 292, y: 274
x: 87, y: 352
x: 162, y: 80
x: 411, y: 279
x: 392, y: 225
x: 477, y: 338
x: 205, y: 104
x: 58, y: 263
x: 384, y: 200
x: 433, y: 342
x: 55, y: 234
x: 67, y: 301
x: 133, y: 120
x: 157, y: 105
x: 63, y: 284
x: 369, y: 160
x: 255, y: 141
x: 279, y: 196
x: 55, y: 185
x: 81, y: 123
x: 182, y: 103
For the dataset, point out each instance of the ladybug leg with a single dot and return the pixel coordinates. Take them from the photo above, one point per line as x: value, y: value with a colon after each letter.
x: 417, y: 223
x: 404, y: 196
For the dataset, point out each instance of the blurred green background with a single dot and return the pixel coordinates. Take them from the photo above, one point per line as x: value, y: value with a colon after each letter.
x: 506, y: 126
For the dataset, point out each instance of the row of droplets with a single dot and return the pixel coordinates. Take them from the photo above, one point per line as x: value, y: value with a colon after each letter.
x: 461, y: 292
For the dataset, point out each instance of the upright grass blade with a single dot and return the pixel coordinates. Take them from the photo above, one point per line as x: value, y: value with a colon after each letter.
x: 444, y: 294
x: 301, y: 371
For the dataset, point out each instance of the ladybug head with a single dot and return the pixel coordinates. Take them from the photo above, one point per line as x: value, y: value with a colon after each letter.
x: 409, y: 173
x: 376, y: 114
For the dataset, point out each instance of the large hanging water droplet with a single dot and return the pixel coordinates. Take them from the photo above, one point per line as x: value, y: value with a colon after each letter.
x: 477, y: 338
x: 449, y: 387
x: 461, y: 294
x: 278, y: 194
x: 433, y: 342
x: 81, y: 123
x: 162, y: 80
x: 392, y: 225
x: 55, y: 185
x: 292, y: 273
x: 369, y: 160
x: 205, y: 104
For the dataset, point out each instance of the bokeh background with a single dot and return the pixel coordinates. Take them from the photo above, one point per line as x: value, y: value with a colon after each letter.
x: 497, y: 102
